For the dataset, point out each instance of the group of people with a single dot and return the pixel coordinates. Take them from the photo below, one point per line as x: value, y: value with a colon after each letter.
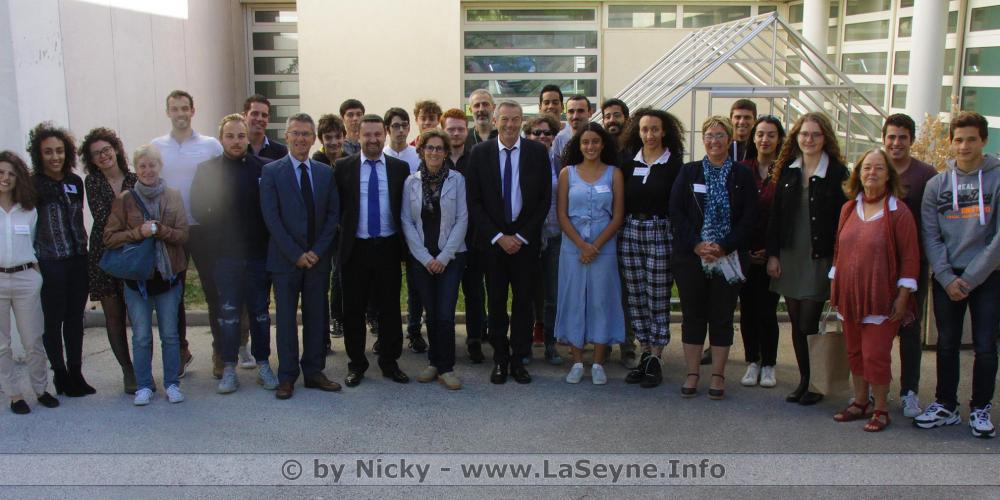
x: 585, y: 227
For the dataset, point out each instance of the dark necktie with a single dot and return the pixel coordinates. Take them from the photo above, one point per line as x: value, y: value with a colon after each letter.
x: 374, y: 223
x: 508, y: 174
x: 307, y: 196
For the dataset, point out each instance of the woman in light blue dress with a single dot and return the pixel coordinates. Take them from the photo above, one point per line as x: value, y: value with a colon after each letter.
x: 591, y: 208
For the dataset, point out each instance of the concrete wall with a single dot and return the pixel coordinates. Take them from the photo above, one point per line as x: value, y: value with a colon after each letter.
x: 419, y: 59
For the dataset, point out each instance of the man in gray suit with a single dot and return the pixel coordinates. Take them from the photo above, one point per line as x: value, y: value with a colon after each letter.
x: 299, y: 201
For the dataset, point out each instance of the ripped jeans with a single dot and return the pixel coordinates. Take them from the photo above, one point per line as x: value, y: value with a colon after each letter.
x: 243, y: 282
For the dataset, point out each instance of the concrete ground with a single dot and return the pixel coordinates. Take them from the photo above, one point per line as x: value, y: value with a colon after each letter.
x: 547, y: 416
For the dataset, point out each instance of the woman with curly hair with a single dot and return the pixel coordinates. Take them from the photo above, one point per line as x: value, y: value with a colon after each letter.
x: 104, y: 159
x: 61, y: 245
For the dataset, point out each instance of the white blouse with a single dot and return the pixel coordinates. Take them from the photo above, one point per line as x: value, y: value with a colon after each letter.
x: 17, y: 230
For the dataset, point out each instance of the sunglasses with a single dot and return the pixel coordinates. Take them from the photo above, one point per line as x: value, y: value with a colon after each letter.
x: 540, y: 132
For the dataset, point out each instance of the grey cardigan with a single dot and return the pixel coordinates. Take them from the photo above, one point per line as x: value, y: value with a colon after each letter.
x: 454, y: 218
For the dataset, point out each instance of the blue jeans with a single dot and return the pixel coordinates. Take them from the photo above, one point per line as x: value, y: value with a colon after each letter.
x: 140, y: 313
x: 439, y: 294
x: 982, y: 303
x: 243, y: 282
x: 550, y: 273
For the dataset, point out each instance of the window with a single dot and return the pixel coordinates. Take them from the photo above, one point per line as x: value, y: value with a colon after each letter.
x: 871, y: 30
x: 905, y: 3
x: 699, y: 16
x: 906, y: 24
x: 946, y: 99
x: 530, y: 64
x: 531, y: 88
x: 982, y: 61
x: 866, y: 6
x: 795, y: 13
x: 867, y: 63
x: 530, y: 39
x: 530, y: 15
x: 273, y: 60
x: 985, y: 18
x: 873, y: 91
x: 994, y: 145
x: 764, y: 9
x: 898, y: 96
x: 985, y: 100
x: 902, y: 65
x: 642, y: 16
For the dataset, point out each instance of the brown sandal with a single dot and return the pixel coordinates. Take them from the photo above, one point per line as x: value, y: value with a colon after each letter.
x: 846, y: 415
x: 875, y: 424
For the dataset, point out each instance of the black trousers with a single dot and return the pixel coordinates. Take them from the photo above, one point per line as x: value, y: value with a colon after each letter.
x: 311, y: 285
x: 759, y: 317
x: 371, y: 274
x: 707, y: 304
x: 64, y: 296
x: 475, y: 296
x: 203, y: 256
x: 910, y: 341
x: 515, y: 272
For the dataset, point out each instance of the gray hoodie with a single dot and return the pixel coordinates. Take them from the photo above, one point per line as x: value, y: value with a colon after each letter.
x: 960, y: 225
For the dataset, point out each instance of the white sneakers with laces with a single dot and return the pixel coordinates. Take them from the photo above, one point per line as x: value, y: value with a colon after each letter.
x: 575, y: 374
x: 753, y: 373
x: 143, y: 396
x: 911, y: 405
x: 767, y: 379
x: 979, y: 421
x: 174, y: 394
x: 597, y: 375
x: 936, y: 415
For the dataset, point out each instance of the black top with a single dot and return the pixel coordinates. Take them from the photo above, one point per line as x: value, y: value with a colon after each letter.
x: 432, y: 227
x: 225, y: 200
x: 653, y: 197
x: 687, y: 209
x: 473, y: 137
x: 826, y: 197
x: 271, y: 151
x: 321, y: 157
x: 740, y: 148
x: 60, y: 233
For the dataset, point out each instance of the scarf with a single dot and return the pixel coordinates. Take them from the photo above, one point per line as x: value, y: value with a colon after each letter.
x: 152, y: 197
x: 431, y: 184
x: 717, y: 218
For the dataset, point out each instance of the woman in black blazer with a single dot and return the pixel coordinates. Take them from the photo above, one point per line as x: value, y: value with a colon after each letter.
x: 802, y: 229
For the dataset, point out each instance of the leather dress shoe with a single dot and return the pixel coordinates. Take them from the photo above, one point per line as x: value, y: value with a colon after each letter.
x: 396, y: 375
x: 285, y: 390
x: 353, y: 379
x: 520, y: 375
x: 499, y: 374
x: 810, y: 398
x: 319, y: 381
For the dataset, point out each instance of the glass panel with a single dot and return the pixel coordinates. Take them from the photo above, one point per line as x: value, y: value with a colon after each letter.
x: 699, y: 16
x: 764, y: 9
x: 531, y: 40
x: 872, y: 30
x: 277, y: 90
x: 834, y: 10
x: 530, y: 88
x: 902, y: 65
x: 538, y: 15
x: 530, y: 64
x: 873, y: 91
x: 899, y: 96
x: 946, y: 99
x: 642, y: 16
x: 866, y: 6
x: 953, y: 21
x: 949, y: 61
x: 985, y: 100
x: 275, y: 16
x: 795, y: 13
x: 275, y: 134
x: 994, y: 145
x: 985, y: 18
x: 280, y: 113
x: 905, y: 3
x: 868, y: 63
x: 982, y: 61
x: 831, y: 37
x: 275, y: 41
x: 276, y: 65
x: 905, y: 27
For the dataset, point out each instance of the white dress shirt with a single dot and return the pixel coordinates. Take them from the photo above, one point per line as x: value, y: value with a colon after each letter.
x: 386, y: 227
x: 515, y: 183
x: 298, y: 175
x: 180, y: 162
x: 408, y: 154
x: 17, y: 228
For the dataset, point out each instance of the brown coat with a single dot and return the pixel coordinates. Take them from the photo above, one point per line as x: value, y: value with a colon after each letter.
x: 126, y: 219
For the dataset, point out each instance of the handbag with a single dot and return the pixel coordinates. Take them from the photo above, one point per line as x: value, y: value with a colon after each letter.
x: 829, y: 369
x: 131, y: 261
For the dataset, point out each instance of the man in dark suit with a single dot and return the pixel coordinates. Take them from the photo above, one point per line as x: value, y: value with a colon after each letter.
x: 509, y: 191
x: 371, y: 249
x: 300, y: 204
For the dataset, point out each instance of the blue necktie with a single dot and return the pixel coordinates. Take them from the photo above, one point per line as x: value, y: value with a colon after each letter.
x: 508, y: 174
x: 374, y: 224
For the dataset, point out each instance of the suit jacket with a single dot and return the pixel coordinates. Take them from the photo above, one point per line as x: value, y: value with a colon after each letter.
x: 348, y: 174
x: 284, y: 212
x: 485, y: 193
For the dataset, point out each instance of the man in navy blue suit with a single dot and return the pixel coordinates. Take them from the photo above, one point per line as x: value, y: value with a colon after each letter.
x: 300, y: 204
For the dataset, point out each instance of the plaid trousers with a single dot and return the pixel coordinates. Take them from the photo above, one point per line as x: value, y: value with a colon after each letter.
x: 644, y: 248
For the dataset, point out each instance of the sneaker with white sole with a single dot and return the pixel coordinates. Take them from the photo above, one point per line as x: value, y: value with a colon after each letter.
x: 246, y: 359
x: 910, y: 404
x: 767, y: 379
x: 174, y: 394
x: 229, y: 382
x: 753, y: 373
x: 265, y: 377
x: 143, y: 396
x: 575, y: 374
x: 979, y: 421
x: 597, y: 375
x: 936, y: 415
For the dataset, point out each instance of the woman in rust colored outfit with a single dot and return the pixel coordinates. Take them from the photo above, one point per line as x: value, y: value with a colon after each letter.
x: 875, y: 266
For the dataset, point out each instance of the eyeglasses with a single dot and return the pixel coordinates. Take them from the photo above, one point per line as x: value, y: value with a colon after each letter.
x: 433, y: 149
x: 541, y: 132
x: 301, y: 134
x: 399, y: 126
x: 715, y: 137
x: 105, y: 151
x: 810, y: 135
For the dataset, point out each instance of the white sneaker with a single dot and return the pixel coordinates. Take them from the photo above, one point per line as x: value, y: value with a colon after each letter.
x: 910, y: 404
x: 979, y: 421
x: 936, y: 415
x: 753, y: 372
x: 597, y: 375
x: 142, y: 397
x: 246, y: 359
x: 767, y: 377
x: 575, y: 374
x: 174, y: 394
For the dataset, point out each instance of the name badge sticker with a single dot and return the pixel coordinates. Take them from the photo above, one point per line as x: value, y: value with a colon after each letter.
x: 69, y: 188
x: 700, y: 188
x: 602, y: 188
x: 641, y: 172
x: 22, y: 229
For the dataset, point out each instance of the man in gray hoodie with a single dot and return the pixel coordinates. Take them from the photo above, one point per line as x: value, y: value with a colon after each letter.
x: 960, y: 236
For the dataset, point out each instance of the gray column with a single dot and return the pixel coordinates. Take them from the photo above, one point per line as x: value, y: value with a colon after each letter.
x: 923, y: 95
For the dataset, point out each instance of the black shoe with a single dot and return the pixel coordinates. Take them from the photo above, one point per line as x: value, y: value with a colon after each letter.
x: 71, y: 387
x: 499, y: 374
x: 654, y: 373
x: 810, y: 398
x: 635, y: 376
x: 418, y: 344
x: 48, y: 401
x: 706, y: 357
x: 475, y: 352
x: 375, y: 346
x: 396, y: 375
x: 20, y: 407
x: 520, y: 375
x: 76, y: 374
x: 353, y: 379
x: 796, y: 395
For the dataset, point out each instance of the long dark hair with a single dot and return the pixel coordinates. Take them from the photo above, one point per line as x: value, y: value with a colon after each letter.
x: 43, y: 131
x: 752, y: 148
x: 673, y: 132
x: 609, y: 154
x: 790, y: 150
x: 109, y: 136
x: 24, y: 188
